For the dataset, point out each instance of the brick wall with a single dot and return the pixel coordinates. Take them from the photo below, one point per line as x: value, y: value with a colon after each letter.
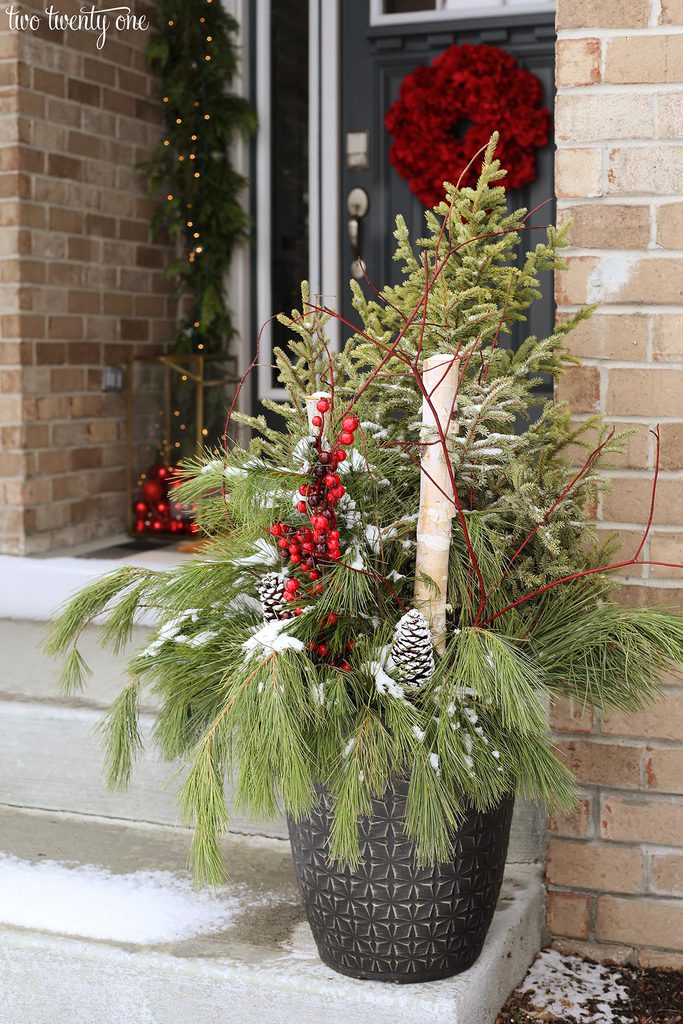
x: 615, y: 867
x: 82, y: 285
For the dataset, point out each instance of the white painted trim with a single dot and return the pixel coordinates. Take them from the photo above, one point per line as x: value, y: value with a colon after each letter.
x: 327, y: 181
x: 263, y: 284
x: 460, y: 10
x: 238, y: 280
x: 315, y: 128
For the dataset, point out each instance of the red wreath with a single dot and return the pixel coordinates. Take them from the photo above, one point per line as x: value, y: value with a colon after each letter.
x: 448, y: 111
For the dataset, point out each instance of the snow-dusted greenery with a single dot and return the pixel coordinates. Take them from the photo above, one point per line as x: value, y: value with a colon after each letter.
x: 253, y: 701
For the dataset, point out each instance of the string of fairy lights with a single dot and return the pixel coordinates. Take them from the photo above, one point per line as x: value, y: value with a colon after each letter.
x: 193, y: 51
x: 195, y: 54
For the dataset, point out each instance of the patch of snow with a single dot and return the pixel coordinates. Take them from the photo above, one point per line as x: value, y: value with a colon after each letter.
x: 199, y: 639
x: 353, y: 558
x: 318, y: 693
x: 379, y: 433
x: 244, y: 603
x: 561, y: 986
x: 301, y: 451
x: 265, y: 554
x: 272, y: 637
x: 418, y: 733
x: 141, y: 907
x: 383, y: 681
x: 349, y: 747
x: 375, y: 536
x: 237, y: 472
x: 170, y: 631
x: 434, y: 761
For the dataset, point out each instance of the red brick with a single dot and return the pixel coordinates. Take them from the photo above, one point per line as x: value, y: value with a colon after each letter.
x: 642, y: 921
x: 639, y: 820
x: 605, y: 867
x: 577, y: 823
x: 595, y: 761
x: 569, y: 914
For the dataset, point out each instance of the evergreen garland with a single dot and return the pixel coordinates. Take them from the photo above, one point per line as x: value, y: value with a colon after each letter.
x: 194, y: 53
x: 315, y: 695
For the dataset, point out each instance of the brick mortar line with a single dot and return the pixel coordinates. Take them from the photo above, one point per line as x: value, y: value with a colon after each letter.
x: 662, y: 583
x: 641, y: 799
x: 630, y: 474
x: 668, y: 528
x: 606, y: 362
x: 644, y: 201
x: 641, y: 254
x: 561, y: 145
x: 644, y: 846
x: 605, y: 33
x: 648, y: 894
x: 625, y: 308
x: 624, y: 740
x: 618, y: 89
x: 666, y: 849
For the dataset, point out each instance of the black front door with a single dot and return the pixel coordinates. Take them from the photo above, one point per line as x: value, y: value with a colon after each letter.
x: 374, y: 60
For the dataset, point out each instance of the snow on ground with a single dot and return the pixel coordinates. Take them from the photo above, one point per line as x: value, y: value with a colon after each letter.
x: 91, y: 902
x: 572, y: 989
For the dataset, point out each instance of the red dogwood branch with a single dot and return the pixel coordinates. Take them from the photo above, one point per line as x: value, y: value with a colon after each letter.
x: 636, y: 560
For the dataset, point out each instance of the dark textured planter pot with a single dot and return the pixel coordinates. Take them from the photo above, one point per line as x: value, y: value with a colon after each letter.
x: 389, y: 920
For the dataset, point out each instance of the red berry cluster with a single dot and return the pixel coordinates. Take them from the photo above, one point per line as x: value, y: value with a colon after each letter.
x: 308, y: 547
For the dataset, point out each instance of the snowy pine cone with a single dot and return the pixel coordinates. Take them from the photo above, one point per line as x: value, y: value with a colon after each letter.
x: 412, y: 648
x: 271, y: 590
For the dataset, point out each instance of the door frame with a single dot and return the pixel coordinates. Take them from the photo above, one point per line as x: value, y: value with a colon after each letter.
x: 474, y: 9
x: 323, y: 173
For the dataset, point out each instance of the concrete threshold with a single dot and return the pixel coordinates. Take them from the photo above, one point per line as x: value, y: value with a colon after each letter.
x: 260, y: 967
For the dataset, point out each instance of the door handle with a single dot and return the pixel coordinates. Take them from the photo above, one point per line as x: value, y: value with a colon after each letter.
x: 357, y: 204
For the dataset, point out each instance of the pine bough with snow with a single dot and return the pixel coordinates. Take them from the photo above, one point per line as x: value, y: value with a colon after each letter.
x: 289, y: 651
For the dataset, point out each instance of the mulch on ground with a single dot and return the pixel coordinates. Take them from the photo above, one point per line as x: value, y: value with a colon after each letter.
x: 628, y: 995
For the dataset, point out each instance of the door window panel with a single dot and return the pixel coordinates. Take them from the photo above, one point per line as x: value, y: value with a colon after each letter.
x: 289, y: 101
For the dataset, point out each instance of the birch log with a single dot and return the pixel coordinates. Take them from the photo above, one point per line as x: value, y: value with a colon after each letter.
x: 440, y: 378
x: 312, y: 411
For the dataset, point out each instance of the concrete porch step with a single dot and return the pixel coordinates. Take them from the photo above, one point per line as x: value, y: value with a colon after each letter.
x: 256, y: 965
x: 50, y: 756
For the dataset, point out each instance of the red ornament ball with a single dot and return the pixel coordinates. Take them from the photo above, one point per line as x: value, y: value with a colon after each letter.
x: 140, y: 508
x: 153, y: 491
x: 350, y: 423
x: 479, y: 90
x: 346, y: 437
x: 317, y: 421
x: 322, y: 405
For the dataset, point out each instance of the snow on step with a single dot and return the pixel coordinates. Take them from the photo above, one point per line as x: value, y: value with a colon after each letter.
x: 250, y: 959
x: 141, y: 907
